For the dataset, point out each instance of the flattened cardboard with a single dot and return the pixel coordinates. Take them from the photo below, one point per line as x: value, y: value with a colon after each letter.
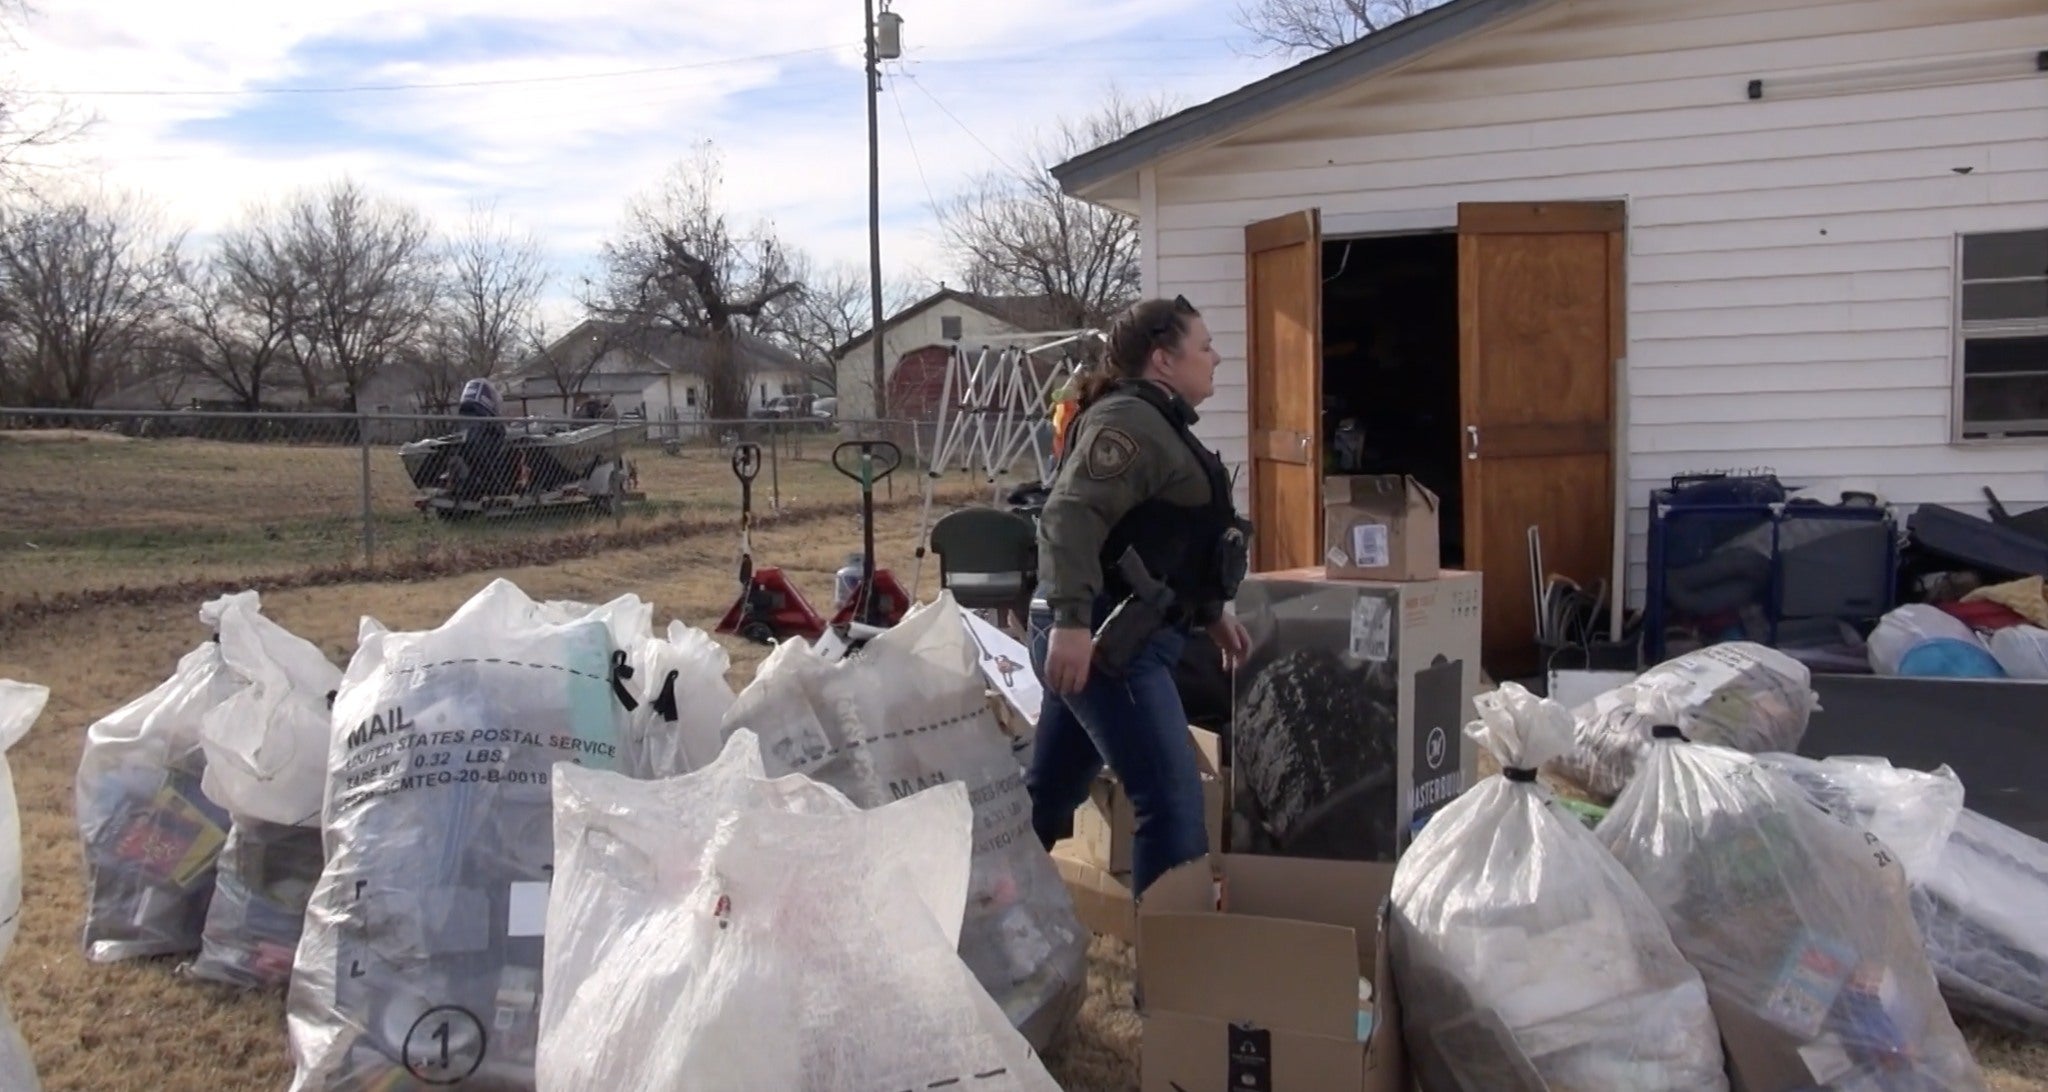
x: 1204, y: 969
x: 1102, y: 901
x: 1380, y: 527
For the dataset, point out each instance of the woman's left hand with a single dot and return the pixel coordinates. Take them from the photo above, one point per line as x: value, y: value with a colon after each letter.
x: 1230, y: 636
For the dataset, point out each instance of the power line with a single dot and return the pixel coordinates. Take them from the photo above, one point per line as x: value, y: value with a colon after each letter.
x: 451, y: 84
x: 931, y: 199
x: 964, y: 127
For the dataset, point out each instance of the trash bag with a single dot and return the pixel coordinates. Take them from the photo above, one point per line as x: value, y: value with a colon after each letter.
x: 258, y: 910
x: 685, y: 700
x: 266, y: 745
x: 1736, y: 694
x: 907, y: 712
x: 20, y: 705
x: 420, y: 964
x: 2022, y: 651
x: 150, y: 835
x: 1561, y: 974
x: 1912, y: 812
x: 1908, y: 627
x: 1798, y: 921
x: 720, y: 932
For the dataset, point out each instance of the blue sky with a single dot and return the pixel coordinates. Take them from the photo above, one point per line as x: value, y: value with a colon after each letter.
x: 569, y: 110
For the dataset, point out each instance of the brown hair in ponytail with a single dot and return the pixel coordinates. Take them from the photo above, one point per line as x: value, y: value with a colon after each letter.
x: 1145, y: 326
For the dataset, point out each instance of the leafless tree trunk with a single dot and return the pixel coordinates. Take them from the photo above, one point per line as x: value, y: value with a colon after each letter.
x: 680, y: 267
x: 1014, y: 232
x: 28, y: 122
x: 1303, y: 28
x: 237, y: 312
x: 832, y: 310
x: 494, y: 281
x: 369, y: 281
x: 82, y: 285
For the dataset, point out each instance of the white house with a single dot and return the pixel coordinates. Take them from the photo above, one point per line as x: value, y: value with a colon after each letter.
x: 660, y: 375
x: 1555, y: 252
x: 947, y: 317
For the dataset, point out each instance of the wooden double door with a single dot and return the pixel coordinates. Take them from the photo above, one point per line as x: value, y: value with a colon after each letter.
x: 1541, y: 334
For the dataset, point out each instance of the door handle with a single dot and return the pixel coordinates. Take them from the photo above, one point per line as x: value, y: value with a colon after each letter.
x: 1471, y: 441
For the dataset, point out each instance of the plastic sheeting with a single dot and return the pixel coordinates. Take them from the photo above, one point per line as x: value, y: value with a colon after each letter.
x: 1563, y: 974
x: 720, y: 932
x: 2022, y: 651
x: 266, y: 744
x: 907, y: 712
x: 1737, y: 694
x: 150, y: 835
x: 20, y: 705
x: 421, y: 960
x: 1798, y: 921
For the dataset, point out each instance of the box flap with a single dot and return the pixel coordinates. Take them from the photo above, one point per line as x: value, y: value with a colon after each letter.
x: 1293, y: 975
x: 1209, y: 746
x: 1102, y: 902
x: 1389, y: 492
x: 1386, y: 1055
x: 1185, y: 889
x: 1342, y: 893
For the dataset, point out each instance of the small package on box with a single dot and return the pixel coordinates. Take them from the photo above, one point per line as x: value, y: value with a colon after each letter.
x: 1379, y: 527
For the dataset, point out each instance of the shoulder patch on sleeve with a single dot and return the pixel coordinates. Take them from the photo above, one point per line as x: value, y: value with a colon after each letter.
x: 1110, y: 453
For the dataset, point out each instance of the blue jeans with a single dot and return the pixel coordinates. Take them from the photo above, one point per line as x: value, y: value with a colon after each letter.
x: 1137, y: 724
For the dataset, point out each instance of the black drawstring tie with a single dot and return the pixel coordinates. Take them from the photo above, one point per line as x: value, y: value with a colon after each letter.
x: 620, y: 673
x: 1518, y: 775
x: 1668, y: 731
x: 665, y: 702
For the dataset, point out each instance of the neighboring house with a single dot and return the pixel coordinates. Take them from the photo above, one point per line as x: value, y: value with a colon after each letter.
x: 946, y: 318
x: 659, y: 375
x: 1572, y: 248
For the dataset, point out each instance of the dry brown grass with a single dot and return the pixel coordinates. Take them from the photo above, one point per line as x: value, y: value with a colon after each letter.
x: 138, y: 1027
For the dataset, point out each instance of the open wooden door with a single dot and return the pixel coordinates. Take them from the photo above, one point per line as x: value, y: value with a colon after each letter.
x: 1283, y: 296
x: 1540, y: 314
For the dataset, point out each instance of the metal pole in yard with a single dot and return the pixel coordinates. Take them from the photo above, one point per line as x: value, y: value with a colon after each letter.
x: 774, y: 469
x: 874, y: 75
x: 369, y: 527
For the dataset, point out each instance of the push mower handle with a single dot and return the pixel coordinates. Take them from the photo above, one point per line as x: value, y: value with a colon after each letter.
x: 746, y: 461
x: 884, y: 458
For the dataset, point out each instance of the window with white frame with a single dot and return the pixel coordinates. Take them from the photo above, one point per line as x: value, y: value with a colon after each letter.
x: 2002, y: 336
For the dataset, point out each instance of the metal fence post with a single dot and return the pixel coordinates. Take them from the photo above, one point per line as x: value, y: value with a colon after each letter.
x: 369, y: 527
x: 775, y: 468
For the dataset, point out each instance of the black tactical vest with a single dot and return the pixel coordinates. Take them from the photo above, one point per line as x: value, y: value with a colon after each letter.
x: 1192, y: 549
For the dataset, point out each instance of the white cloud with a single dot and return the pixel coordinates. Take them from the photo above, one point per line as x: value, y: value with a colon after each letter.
x: 563, y: 156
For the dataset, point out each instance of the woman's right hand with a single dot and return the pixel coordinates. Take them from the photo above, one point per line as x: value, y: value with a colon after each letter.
x: 1067, y: 656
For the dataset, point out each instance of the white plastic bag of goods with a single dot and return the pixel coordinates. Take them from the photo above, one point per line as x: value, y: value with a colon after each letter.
x: 2022, y: 651
x: 1738, y: 694
x: 1559, y: 973
x: 420, y: 964
x: 720, y: 932
x: 20, y: 705
x: 685, y: 699
x: 1912, y: 812
x: 907, y: 712
x: 266, y: 746
x: 150, y: 837
x: 1912, y: 624
x: 258, y: 910
x: 1799, y: 921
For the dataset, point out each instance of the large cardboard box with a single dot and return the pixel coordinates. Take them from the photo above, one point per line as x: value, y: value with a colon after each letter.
x: 1350, y: 710
x: 1103, y: 825
x: 1102, y: 901
x: 1261, y: 993
x: 1380, y: 527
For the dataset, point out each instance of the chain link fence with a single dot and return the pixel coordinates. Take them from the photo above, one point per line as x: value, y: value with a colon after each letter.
x: 95, y: 501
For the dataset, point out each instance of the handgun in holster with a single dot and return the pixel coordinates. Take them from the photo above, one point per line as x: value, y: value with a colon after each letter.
x: 1149, y: 608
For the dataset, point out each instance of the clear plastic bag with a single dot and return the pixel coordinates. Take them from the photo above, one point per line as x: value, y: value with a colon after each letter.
x: 258, y: 910
x: 420, y: 963
x: 1526, y: 955
x: 266, y: 745
x: 682, y: 680
x: 910, y: 711
x: 20, y: 705
x: 1979, y: 909
x: 150, y: 835
x: 1736, y: 694
x: 1798, y: 920
x: 1912, y: 812
x: 720, y: 932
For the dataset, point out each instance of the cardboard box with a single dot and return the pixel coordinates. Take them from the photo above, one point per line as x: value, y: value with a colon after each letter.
x: 1261, y: 993
x: 1102, y: 901
x: 1349, y: 711
x: 1380, y: 527
x: 1103, y: 825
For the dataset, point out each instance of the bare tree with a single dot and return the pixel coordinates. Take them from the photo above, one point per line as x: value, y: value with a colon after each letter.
x: 568, y: 359
x: 1303, y: 28
x: 1015, y: 232
x: 494, y: 281
x: 237, y: 312
x: 28, y: 122
x: 368, y: 276
x: 83, y: 286
x: 681, y: 267
x: 833, y: 309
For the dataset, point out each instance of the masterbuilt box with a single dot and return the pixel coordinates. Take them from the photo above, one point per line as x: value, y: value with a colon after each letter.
x: 1349, y: 711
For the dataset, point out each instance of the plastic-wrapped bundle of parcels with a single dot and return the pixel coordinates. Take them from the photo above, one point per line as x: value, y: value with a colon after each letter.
x: 1737, y: 694
x: 20, y: 705
x: 1798, y: 921
x: 721, y: 932
x: 150, y: 835
x: 908, y: 712
x: 421, y: 960
x: 1977, y: 883
x: 1526, y: 955
x: 266, y: 765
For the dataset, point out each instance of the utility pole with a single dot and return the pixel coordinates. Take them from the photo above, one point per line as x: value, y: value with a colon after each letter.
x: 875, y: 212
